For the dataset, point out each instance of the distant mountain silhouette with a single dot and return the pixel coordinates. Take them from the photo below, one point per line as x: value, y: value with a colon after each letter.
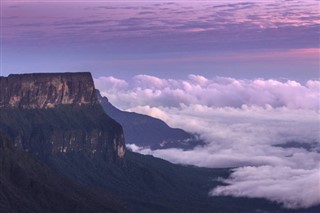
x: 147, y: 131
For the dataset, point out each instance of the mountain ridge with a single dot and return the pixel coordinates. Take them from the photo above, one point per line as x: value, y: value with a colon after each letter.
x: 147, y: 131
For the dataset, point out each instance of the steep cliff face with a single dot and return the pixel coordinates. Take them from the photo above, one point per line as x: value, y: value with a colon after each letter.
x: 58, y: 113
x: 31, y: 91
x: 28, y: 185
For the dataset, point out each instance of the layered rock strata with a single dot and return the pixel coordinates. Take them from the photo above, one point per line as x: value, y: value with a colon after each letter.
x: 58, y: 113
x: 43, y: 90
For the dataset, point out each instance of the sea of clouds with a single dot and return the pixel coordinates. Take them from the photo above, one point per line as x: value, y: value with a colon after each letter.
x: 268, y: 130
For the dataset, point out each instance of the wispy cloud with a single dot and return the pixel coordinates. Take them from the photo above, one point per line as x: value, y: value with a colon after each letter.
x: 100, y: 33
x: 222, y: 23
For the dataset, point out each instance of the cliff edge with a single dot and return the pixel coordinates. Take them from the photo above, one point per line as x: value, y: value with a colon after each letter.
x: 51, y: 113
x: 46, y: 90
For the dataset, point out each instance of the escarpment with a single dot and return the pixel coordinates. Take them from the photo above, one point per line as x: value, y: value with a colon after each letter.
x: 46, y: 90
x: 52, y: 113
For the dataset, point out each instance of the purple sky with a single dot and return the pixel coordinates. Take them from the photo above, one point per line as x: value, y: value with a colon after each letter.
x: 241, y: 39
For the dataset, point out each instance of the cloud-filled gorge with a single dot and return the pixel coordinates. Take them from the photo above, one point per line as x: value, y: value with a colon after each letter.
x: 268, y: 130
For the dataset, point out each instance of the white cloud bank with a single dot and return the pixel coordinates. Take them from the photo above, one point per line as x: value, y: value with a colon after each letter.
x: 216, y: 92
x: 245, y: 123
x: 295, y: 188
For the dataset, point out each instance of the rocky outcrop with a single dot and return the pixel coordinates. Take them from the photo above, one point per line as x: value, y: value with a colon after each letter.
x: 58, y: 113
x: 30, y: 91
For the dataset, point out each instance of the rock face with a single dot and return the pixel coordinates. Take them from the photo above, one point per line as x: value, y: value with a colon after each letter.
x: 30, y: 91
x: 28, y: 185
x: 58, y: 113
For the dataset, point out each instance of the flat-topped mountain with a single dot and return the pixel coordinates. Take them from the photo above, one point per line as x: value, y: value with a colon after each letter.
x: 58, y: 112
x: 46, y: 90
